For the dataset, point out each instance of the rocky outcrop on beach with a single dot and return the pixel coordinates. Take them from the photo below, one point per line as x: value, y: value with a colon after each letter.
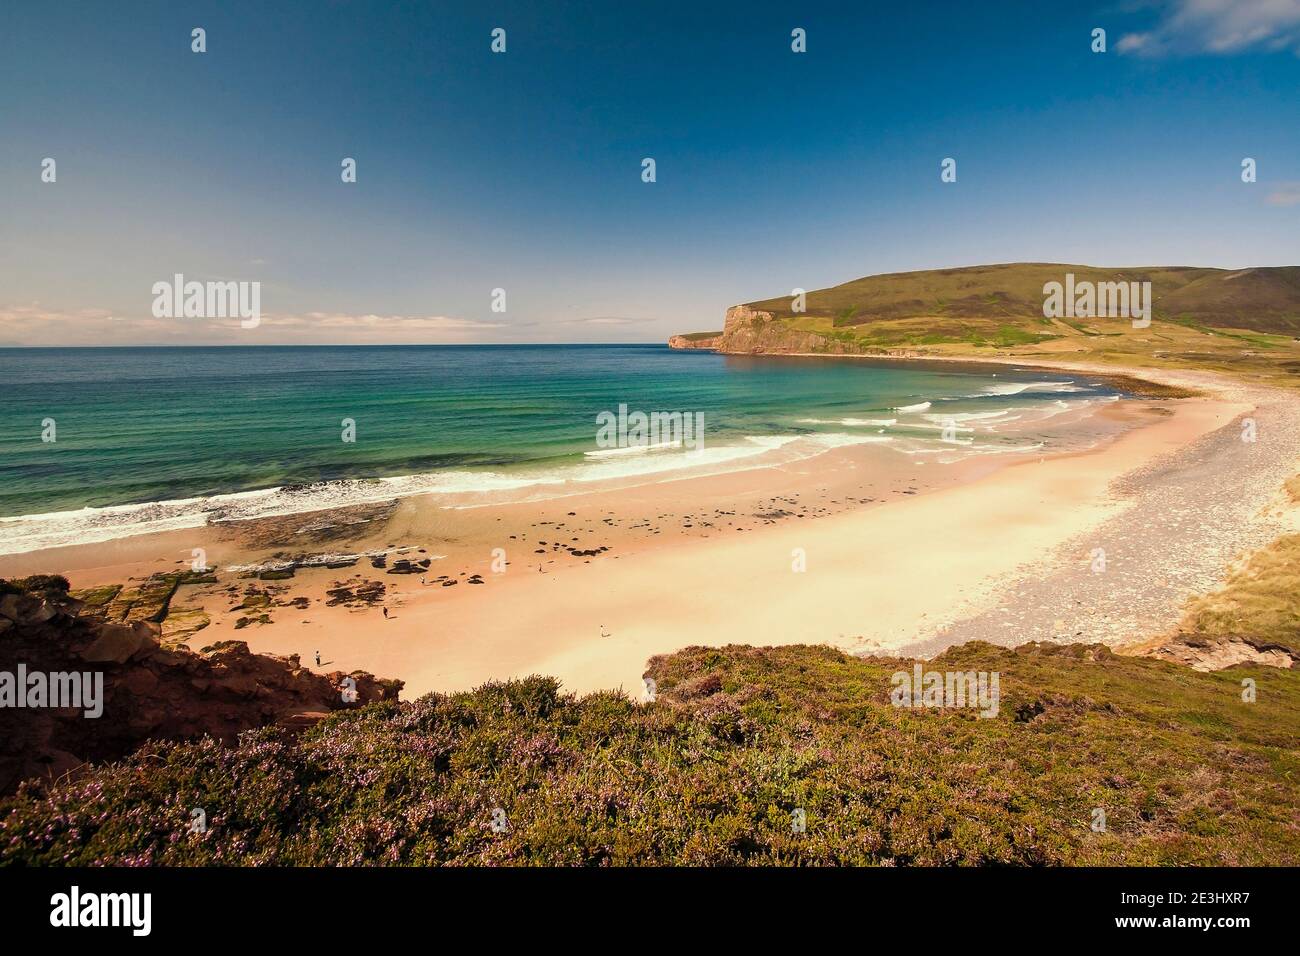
x: 147, y: 600
x: 1218, y: 652
x: 151, y: 690
x: 150, y: 600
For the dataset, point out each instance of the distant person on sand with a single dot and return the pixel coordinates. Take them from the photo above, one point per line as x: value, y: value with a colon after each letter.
x: 318, y: 658
x: 385, y: 612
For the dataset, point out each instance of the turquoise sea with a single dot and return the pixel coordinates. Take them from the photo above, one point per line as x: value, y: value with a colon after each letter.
x: 186, y: 434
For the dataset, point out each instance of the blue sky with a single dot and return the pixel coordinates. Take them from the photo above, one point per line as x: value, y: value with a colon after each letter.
x: 522, y: 170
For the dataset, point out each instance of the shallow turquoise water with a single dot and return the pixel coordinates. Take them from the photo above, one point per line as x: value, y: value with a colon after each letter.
x: 156, y: 424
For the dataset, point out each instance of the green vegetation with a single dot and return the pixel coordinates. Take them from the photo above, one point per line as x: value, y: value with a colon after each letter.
x: 1260, y: 300
x: 97, y: 599
x: 1246, y: 323
x: 1007, y: 336
x: 1261, y: 599
x: 36, y: 584
x: 697, y: 336
x: 711, y: 772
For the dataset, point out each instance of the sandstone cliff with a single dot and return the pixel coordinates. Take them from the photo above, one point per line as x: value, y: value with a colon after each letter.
x: 751, y: 331
x: 150, y: 691
x: 695, y: 340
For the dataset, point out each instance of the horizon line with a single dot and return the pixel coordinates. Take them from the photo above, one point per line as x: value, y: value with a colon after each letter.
x: 349, y: 345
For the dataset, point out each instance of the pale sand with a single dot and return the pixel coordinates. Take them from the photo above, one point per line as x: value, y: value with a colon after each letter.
x: 878, y: 577
x: 874, y: 577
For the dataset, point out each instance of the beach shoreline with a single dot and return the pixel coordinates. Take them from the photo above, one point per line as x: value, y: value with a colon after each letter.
x: 760, y: 414
x: 1139, y: 381
x: 597, y: 583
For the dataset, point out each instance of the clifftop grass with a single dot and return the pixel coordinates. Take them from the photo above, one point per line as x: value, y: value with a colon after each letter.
x: 1258, y: 300
x: 1185, y: 771
x: 1261, y: 598
x: 1244, y: 322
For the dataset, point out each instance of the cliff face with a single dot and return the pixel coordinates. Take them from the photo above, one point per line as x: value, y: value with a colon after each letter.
x: 694, y: 341
x: 751, y: 331
x: 149, y: 691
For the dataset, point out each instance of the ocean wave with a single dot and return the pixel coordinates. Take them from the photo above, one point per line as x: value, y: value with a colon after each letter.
x: 1007, y: 449
x: 962, y: 450
x: 939, y: 427
x: 851, y: 422
x: 918, y: 407
x: 965, y: 416
x: 1018, y: 388
x: 632, y: 450
x: 838, y: 440
x: 466, y: 488
x: 35, y: 532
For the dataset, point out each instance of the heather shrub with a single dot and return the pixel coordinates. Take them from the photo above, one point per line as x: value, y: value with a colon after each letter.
x: 740, y: 738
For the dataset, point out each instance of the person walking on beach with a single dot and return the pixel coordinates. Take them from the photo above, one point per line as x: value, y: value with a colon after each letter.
x: 385, y: 613
x: 318, y: 658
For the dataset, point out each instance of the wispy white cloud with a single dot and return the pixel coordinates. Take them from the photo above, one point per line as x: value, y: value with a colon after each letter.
x: 613, y: 320
x: 1284, y: 194
x: 372, y: 322
x: 1219, y: 27
x: 35, y: 324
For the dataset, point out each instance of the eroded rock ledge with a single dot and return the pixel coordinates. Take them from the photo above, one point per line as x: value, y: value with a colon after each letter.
x: 695, y: 340
x: 151, y: 690
x: 1218, y: 652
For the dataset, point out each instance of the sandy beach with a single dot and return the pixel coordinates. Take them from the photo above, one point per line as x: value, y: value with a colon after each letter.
x: 588, y: 587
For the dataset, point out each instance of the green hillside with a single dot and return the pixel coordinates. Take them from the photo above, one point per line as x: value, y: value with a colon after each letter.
x: 1257, y: 299
x: 1244, y: 322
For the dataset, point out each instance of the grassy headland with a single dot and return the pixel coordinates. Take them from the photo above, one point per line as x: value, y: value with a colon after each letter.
x: 1244, y: 322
